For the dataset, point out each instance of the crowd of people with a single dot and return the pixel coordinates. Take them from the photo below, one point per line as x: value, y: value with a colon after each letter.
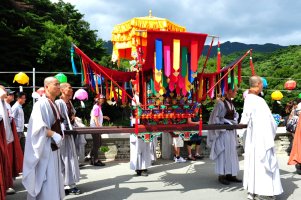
x: 50, y: 168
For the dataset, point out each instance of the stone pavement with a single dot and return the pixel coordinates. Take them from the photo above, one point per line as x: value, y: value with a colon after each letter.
x: 191, y: 180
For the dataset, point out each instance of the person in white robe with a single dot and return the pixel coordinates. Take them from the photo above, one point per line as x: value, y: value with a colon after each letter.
x: 261, y: 170
x: 42, y: 175
x: 140, y: 151
x: 223, y: 143
x: 70, y: 166
x: 80, y: 142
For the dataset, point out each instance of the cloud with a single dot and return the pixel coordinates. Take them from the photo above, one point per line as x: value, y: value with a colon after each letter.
x: 253, y: 21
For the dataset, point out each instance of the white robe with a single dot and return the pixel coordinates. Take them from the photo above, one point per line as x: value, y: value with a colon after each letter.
x: 140, y: 151
x: 70, y: 166
x: 6, y: 120
x: 42, y: 176
x: 261, y: 171
x: 140, y: 156
x: 223, y: 143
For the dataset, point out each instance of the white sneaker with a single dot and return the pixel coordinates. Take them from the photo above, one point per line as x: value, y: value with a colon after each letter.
x: 10, y: 191
x: 180, y: 160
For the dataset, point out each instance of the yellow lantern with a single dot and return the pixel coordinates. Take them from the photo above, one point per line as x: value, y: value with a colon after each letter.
x: 21, y: 78
x: 277, y: 95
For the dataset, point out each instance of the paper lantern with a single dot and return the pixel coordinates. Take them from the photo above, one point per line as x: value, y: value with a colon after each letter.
x: 264, y: 82
x: 277, y: 95
x: 81, y: 95
x: 62, y: 78
x: 245, y: 94
x: 41, y: 91
x: 21, y: 78
x: 290, y: 85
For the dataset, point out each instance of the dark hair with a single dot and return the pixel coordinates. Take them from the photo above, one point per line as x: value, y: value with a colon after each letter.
x: 20, y: 95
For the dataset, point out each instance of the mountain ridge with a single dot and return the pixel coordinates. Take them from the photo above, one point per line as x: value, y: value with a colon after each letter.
x: 226, y: 48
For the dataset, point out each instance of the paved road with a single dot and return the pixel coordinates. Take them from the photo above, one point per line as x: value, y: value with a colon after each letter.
x: 167, y: 180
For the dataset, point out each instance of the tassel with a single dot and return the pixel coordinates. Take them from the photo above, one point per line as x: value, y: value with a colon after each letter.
x: 159, y: 54
x: 136, y: 122
x: 96, y: 84
x: 176, y: 55
x: 200, y: 123
x: 82, y: 104
x: 251, y: 64
x: 194, y: 56
x: 107, y: 89
x: 184, y: 62
x: 72, y: 61
x: 239, y: 73
x: 167, y: 64
x: 232, y: 80
x: 218, y: 65
x: 211, y: 84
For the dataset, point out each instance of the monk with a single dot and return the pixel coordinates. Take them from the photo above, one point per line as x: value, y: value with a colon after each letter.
x: 261, y: 170
x: 70, y: 166
x: 223, y: 143
x: 42, y: 175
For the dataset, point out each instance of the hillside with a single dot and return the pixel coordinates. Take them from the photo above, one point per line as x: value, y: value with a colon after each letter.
x: 227, y: 48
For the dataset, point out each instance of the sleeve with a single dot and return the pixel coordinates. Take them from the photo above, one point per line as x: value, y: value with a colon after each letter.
x: 15, y: 112
x: 217, y: 114
x: 96, y: 111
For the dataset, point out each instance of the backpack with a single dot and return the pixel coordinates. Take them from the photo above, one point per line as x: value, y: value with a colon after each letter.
x: 291, y: 124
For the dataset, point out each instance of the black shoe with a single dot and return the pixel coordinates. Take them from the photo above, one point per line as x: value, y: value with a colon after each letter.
x: 261, y: 197
x: 223, y: 180
x: 138, y: 172
x: 144, y: 173
x: 99, y: 163
x: 74, y: 191
x: 233, y: 179
x: 199, y: 157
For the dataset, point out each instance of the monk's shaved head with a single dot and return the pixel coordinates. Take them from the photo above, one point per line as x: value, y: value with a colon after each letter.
x: 49, y: 80
x: 254, y: 81
x: 64, y: 85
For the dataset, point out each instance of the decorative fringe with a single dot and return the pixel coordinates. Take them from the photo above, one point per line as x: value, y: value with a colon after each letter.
x: 201, y: 123
x: 239, y: 73
x: 72, y: 61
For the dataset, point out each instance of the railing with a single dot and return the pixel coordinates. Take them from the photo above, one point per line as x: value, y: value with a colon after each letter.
x: 152, y: 128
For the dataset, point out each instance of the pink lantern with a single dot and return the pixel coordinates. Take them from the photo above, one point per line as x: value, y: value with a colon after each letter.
x: 81, y: 95
x: 41, y: 91
x: 290, y: 85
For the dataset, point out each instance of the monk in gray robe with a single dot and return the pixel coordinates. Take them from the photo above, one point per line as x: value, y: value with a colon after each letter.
x: 223, y: 143
x: 42, y: 175
x: 70, y: 166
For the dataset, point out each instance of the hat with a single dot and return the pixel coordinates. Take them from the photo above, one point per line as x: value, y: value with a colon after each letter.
x: 9, y: 92
x: 101, y: 96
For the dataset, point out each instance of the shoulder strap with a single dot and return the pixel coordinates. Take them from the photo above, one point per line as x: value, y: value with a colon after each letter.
x: 54, y: 111
x: 226, y: 105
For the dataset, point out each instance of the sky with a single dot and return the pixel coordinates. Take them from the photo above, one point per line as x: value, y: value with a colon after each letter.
x: 250, y: 22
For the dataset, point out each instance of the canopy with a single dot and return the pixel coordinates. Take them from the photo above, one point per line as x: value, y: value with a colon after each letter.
x: 126, y: 36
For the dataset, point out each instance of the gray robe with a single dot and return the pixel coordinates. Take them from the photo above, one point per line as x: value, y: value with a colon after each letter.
x: 70, y: 166
x: 42, y: 175
x: 223, y: 143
